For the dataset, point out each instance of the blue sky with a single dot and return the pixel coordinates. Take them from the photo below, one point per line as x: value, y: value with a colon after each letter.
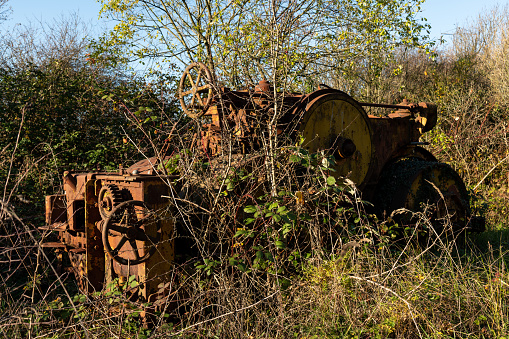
x: 443, y: 15
x: 45, y: 10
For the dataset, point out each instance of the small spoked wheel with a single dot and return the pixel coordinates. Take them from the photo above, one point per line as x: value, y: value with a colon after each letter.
x: 195, y: 90
x: 131, y: 233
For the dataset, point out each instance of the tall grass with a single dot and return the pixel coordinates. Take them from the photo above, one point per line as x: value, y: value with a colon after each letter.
x: 445, y: 290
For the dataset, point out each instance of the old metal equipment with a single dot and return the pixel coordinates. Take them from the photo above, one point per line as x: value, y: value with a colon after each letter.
x: 119, y: 224
x: 379, y: 154
x: 114, y: 225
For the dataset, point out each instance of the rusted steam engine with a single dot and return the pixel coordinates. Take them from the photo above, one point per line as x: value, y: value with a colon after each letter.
x: 119, y: 224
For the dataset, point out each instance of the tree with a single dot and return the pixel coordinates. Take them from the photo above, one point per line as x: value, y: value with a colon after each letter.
x: 35, y: 44
x: 292, y: 41
x: 485, y: 40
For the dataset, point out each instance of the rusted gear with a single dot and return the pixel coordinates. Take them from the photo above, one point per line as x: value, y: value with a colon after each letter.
x: 195, y: 97
x: 131, y: 233
x: 110, y: 196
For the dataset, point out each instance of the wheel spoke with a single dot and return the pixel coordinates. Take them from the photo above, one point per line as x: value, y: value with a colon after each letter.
x: 191, y: 104
x: 119, y: 245
x: 118, y: 228
x: 146, y: 220
x: 123, y: 216
x: 187, y: 92
x: 198, y: 78
x: 135, y: 248
x: 191, y: 80
x: 204, y: 87
x: 197, y: 95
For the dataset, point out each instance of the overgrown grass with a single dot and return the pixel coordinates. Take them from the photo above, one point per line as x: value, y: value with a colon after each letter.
x: 306, y: 263
x: 446, y: 290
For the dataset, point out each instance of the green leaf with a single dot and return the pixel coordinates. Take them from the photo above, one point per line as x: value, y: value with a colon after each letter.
x: 286, y: 228
x: 279, y: 244
x: 249, y: 221
x: 233, y: 260
x: 281, y: 209
x: 240, y: 232
x: 250, y: 209
x: 331, y: 181
x: 295, y: 158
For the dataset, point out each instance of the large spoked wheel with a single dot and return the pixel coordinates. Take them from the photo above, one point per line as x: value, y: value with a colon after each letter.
x: 195, y: 90
x: 131, y: 233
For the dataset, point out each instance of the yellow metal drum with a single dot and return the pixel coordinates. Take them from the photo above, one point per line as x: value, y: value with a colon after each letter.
x: 337, y: 124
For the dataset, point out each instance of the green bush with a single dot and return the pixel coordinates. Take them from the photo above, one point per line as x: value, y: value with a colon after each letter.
x: 55, y: 117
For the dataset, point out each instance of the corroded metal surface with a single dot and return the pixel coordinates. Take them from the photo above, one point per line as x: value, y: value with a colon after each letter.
x: 97, y: 250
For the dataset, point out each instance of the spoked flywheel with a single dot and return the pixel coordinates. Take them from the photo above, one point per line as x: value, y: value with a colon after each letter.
x: 131, y: 233
x: 195, y: 90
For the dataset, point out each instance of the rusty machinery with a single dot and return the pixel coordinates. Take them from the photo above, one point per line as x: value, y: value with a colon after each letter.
x: 114, y: 225
x: 119, y: 224
x: 382, y: 155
